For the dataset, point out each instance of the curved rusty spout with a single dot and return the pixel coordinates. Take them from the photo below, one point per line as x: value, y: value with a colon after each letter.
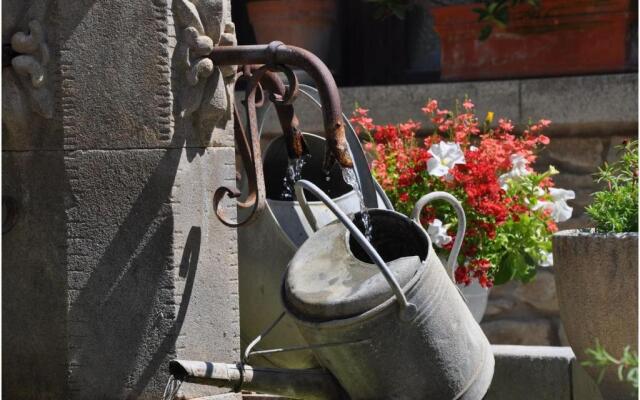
x: 277, y: 53
x: 296, y: 147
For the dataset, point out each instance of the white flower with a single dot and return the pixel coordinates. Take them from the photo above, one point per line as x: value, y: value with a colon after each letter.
x: 438, y: 233
x: 538, y: 191
x: 444, y: 156
x: 547, y: 259
x: 473, y: 148
x: 560, y: 210
x: 519, y: 169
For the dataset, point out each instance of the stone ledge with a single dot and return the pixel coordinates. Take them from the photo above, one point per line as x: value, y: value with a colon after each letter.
x: 578, y: 105
x: 529, y: 373
x: 539, y: 373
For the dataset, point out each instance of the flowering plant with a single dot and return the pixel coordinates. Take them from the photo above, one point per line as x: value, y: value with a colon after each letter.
x: 511, y: 209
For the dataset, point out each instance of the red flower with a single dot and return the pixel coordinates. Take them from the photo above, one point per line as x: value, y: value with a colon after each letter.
x: 430, y: 107
x: 462, y: 276
x: 400, y: 165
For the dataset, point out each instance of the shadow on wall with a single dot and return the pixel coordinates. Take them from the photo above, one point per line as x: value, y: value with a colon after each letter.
x: 187, y: 271
x: 89, y: 304
x: 125, y: 315
x: 34, y: 277
x: 123, y: 324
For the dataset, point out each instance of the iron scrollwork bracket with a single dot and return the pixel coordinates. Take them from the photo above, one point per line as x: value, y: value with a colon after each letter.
x: 260, y: 65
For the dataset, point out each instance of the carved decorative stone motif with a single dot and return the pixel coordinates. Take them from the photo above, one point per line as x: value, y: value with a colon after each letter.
x: 203, y: 93
x: 26, y: 81
x: 35, y: 54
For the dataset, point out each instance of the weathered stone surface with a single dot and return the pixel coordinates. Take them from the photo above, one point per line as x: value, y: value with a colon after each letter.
x: 574, y: 154
x: 586, y: 105
x: 584, y: 387
x: 498, y: 306
x: 28, y: 85
x: 562, y: 335
x: 119, y: 234
x: 597, y: 278
x: 519, y: 313
x: 575, y: 181
x: 116, y: 263
x: 613, y: 154
x: 577, y: 222
x: 115, y: 74
x: 531, y: 372
x: 538, y: 373
x: 152, y: 273
x: 205, y: 263
x: 540, y: 293
x: 34, y: 301
x: 524, y: 332
x: 601, y: 102
x: 394, y: 104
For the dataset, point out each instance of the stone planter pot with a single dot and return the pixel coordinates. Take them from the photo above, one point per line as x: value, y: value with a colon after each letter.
x: 562, y: 37
x: 310, y: 24
x: 597, y: 284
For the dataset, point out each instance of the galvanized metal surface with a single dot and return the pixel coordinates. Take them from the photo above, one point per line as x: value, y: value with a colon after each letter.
x: 462, y: 223
x: 339, y: 265
x: 265, y: 247
x: 269, y: 241
x: 441, y: 353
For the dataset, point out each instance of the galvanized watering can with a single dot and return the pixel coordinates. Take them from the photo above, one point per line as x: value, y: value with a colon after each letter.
x: 267, y: 244
x: 405, y: 333
x: 383, y: 318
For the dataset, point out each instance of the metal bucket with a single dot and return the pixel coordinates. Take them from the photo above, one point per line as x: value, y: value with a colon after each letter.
x: 416, y: 340
x: 266, y: 245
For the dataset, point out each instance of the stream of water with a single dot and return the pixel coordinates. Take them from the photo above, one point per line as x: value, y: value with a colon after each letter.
x: 349, y: 176
x: 293, y: 175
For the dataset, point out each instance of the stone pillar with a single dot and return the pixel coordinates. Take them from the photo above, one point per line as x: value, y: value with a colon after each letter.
x: 116, y: 133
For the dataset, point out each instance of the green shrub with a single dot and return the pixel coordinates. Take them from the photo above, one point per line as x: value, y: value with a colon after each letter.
x: 615, y: 208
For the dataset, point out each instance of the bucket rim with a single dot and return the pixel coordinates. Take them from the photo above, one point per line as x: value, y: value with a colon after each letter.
x: 311, y: 203
x: 281, y: 137
x: 382, y: 308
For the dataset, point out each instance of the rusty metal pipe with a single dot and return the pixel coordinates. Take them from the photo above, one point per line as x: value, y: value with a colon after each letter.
x: 277, y: 53
x: 289, y: 123
x: 313, y: 384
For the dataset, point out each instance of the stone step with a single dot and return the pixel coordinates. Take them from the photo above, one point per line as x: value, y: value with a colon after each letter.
x: 529, y: 373
x: 539, y: 373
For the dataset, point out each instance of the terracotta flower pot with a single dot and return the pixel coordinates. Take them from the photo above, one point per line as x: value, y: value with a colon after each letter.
x: 562, y: 37
x: 597, y: 283
x: 309, y: 24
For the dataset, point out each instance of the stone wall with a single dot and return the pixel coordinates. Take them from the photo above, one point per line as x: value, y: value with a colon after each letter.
x: 113, y: 145
x: 590, y: 114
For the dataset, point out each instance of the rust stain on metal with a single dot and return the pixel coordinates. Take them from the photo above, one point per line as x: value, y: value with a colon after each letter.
x: 260, y: 66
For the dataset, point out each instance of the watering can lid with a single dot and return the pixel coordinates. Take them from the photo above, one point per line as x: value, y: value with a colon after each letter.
x: 325, y: 281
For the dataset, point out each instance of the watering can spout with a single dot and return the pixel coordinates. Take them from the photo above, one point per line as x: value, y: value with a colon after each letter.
x: 315, y: 384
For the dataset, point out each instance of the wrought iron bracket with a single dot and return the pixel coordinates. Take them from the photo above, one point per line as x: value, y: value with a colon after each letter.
x: 259, y: 67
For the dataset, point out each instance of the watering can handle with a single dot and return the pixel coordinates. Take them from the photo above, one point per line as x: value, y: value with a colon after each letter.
x: 462, y: 223
x: 408, y: 311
